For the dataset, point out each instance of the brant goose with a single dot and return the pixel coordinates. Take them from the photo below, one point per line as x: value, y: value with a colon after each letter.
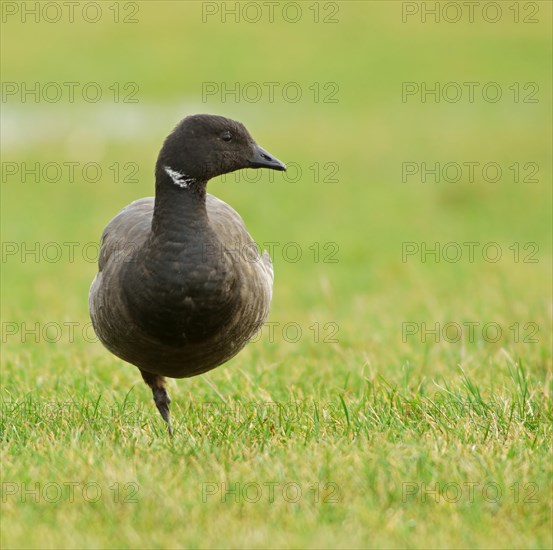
x: 181, y: 288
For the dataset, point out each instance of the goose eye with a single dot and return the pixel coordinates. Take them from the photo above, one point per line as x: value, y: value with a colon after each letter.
x: 227, y: 136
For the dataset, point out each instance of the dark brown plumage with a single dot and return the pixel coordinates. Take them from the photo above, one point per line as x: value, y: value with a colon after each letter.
x: 180, y: 288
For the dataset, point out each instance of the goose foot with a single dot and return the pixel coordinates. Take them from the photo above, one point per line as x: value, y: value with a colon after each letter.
x: 161, y: 397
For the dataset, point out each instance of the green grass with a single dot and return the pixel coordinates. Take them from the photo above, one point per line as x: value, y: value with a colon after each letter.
x: 393, y: 439
x: 400, y: 461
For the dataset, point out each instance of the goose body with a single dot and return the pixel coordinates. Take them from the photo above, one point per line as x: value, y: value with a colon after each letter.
x: 181, y: 287
x: 179, y: 309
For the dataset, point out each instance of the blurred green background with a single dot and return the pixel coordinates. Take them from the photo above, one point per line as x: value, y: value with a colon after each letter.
x: 353, y: 125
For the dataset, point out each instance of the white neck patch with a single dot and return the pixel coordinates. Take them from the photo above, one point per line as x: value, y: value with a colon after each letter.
x: 180, y: 179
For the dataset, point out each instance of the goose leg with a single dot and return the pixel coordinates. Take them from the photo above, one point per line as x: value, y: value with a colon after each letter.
x: 161, y: 397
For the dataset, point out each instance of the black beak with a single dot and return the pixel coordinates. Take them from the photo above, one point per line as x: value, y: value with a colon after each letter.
x: 262, y: 159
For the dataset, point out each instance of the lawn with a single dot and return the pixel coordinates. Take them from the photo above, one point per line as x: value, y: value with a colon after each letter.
x: 400, y: 394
